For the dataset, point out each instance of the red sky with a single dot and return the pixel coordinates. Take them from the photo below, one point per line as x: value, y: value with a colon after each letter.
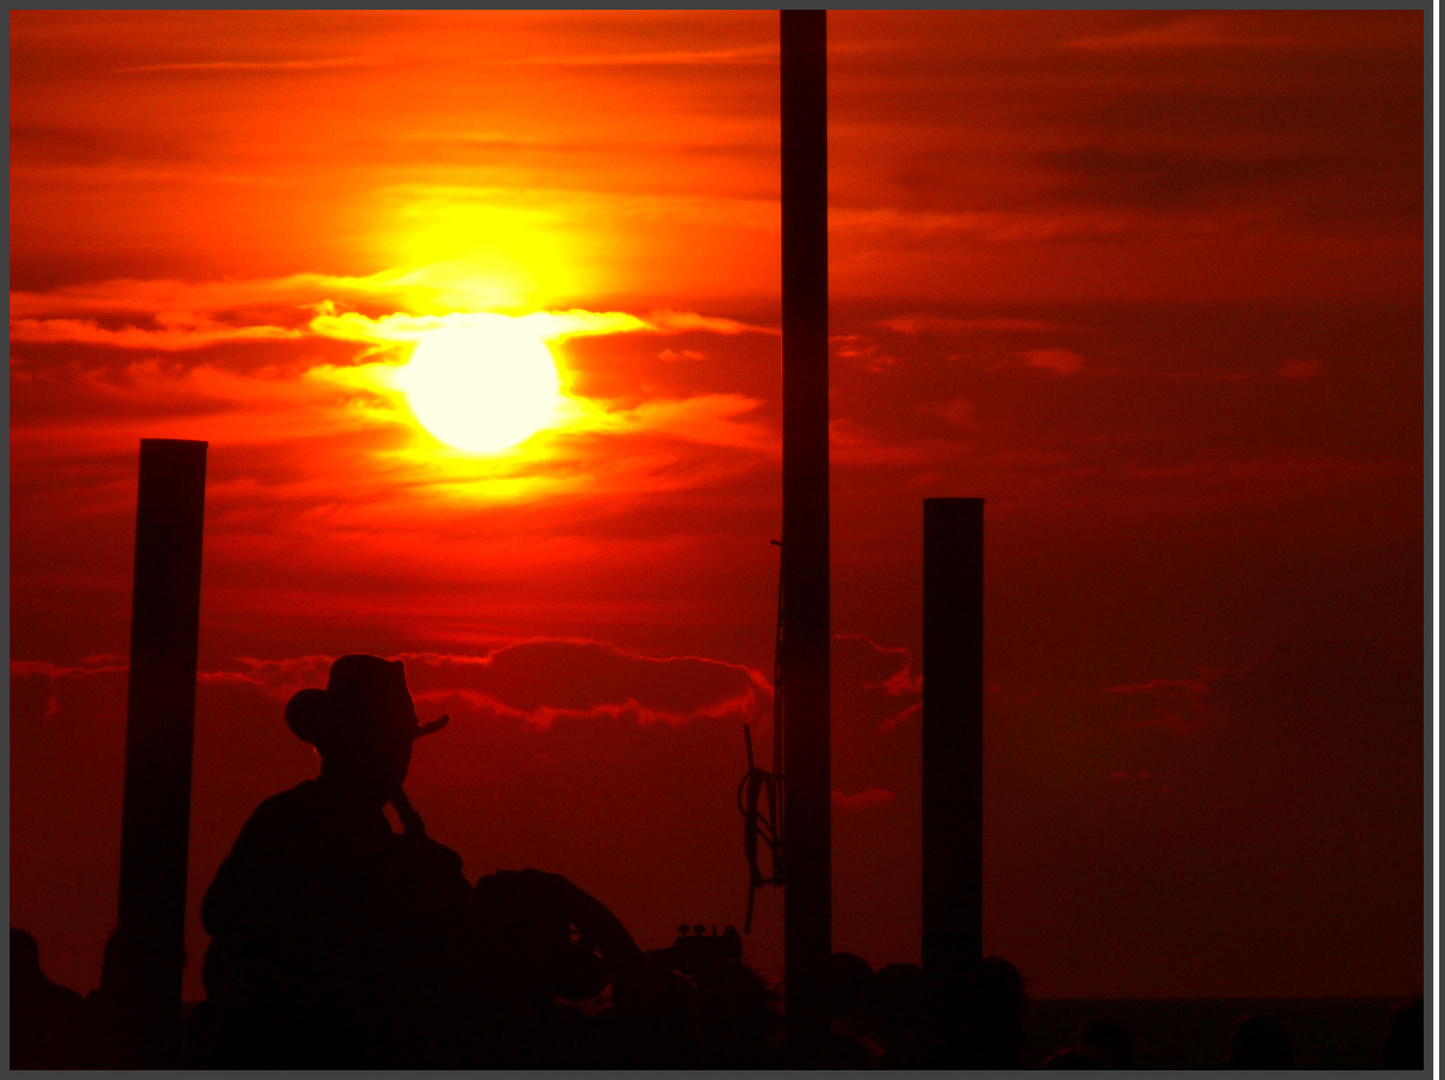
x: 1150, y: 283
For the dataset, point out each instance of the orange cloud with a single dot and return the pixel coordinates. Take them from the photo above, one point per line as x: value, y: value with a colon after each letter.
x: 228, y: 66
x: 957, y: 411
x: 198, y: 334
x: 357, y: 409
x: 118, y: 296
x: 923, y: 324
x: 754, y: 54
x: 1189, y: 32
x: 862, y: 352
x: 849, y: 443
x: 1059, y: 361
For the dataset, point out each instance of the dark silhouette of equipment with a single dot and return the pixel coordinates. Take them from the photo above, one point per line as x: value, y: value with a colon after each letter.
x: 143, y: 977
x: 807, y: 904
x: 696, y: 949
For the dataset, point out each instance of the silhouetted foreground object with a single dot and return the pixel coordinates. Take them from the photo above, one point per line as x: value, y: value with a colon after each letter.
x: 1405, y: 1043
x: 334, y: 939
x: 337, y: 943
x: 807, y: 811
x: 1071, y: 1059
x: 952, y: 931
x: 43, y: 1014
x: 976, y: 1024
x: 141, y: 980
x: 892, y: 1010
x: 737, y: 1018
x: 848, y: 975
x: 527, y: 957
x: 1108, y: 1041
x: 1260, y: 1042
x: 695, y: 949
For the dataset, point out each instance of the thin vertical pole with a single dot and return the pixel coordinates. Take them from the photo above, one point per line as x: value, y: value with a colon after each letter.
x: 807, y: 917
x: 952, y: 740
x: 144, y: 965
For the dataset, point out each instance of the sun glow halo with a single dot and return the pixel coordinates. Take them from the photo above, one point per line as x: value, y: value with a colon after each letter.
x: 482, y: 387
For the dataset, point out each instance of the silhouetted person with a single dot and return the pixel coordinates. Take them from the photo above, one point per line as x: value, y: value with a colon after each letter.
x: 850, y: 1041
x: 526, y: 960
x: 976, y: 1021
x: 736, y: 1018
x: 892, y: 1009
x: 43, y: 1014
x: 335, y: 941
x: 1071, y: 1059
x: 538, y: 938
x: 112, y: 1033
x: 1260, y: 1042
x: 847, y: 976
x: 1405, y: 1042
x: 1108, y: 1041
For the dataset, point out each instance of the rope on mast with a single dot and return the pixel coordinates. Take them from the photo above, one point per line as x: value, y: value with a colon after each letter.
x: 760, y: 785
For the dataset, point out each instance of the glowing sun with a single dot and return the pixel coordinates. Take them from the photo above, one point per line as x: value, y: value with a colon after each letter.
x: 482, y: 387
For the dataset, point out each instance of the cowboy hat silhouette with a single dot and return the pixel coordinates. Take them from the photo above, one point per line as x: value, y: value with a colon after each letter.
x: 364, y: 695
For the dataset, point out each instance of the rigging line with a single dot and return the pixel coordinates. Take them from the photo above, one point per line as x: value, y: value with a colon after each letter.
x: 758, y: 785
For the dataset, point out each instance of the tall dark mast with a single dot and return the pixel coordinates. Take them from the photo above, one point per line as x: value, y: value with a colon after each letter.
x: 142, y: 976
x: 808, y: 915
x: 952, y: 742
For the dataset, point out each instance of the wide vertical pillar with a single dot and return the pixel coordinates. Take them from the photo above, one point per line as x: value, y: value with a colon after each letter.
x: 144, y: 961
x: 807, y: 917
x: 952, y: 740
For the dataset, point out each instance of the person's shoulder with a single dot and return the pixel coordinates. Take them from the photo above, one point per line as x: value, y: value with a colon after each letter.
x: 267, y: 842
x: 283, y: 809
x: 303, y: 794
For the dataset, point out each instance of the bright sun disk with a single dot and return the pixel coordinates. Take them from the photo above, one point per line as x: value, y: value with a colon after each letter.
x: 482, y: 387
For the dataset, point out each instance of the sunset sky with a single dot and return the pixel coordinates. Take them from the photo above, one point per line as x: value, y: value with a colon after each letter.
x: 1149, y: 283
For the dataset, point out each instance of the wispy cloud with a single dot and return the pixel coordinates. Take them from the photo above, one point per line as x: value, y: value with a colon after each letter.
x: 993, y: 227
x: 229, y: 66
x: 118, y: 296
x: 399, y: 328
x: 1059, y: 361
x: 538, y: 680
x: 1182, y: 33
x: 707, y: 419
x: 851, y: 444
x: 1174, y: 704
x: 943, y: 324
x: 402, y: 328
x: 678, y: 322
x: 748, y: 54
x: 862, y: 352
x: 957, y: 411
x: 200, y: 334
x: 188, y: 313
x: 867, y: 799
